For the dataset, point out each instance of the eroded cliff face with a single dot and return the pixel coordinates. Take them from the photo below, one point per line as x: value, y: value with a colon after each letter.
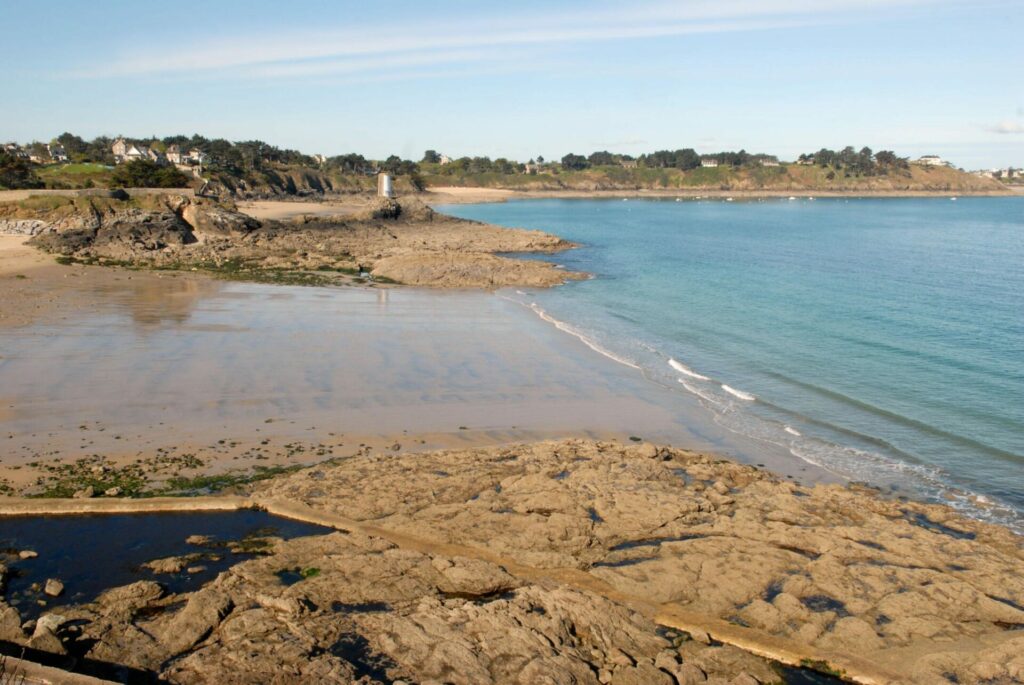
x: 405, y: 243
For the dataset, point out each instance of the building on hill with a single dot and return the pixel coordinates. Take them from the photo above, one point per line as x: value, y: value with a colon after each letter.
x: 136, y: 152
x: 931, y: 160
x: 445, y: 159
x: 628, y: 163
x: 129, y: 152
x: 174, y: 154
x: 120, y: 149
x: 15, y: 150
x: 709, y: 162
x: 195, y: 156
x: 57, y: 153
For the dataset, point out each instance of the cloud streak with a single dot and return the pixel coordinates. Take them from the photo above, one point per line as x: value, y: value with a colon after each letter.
x: 1006, y: 127
x: 349, y: 49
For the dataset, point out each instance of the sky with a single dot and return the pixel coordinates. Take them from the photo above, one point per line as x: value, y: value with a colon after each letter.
x: 526, y: 78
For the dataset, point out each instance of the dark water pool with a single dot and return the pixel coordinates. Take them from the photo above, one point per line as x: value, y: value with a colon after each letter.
x: 93, y: 553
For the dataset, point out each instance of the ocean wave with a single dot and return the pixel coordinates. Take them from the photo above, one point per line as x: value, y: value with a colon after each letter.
x: 686, y: 371
x: 738, y: 393
x: 566, y: 328
x: 792, y: 431
x: 700, y: 393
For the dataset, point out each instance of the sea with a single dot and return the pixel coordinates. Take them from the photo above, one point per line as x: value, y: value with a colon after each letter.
x: 879, y: 338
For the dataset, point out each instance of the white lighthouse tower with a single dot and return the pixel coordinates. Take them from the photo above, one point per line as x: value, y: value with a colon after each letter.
x: 384, y: 187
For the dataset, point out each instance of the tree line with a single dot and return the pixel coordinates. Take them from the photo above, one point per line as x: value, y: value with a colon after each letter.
x: 853, y: 162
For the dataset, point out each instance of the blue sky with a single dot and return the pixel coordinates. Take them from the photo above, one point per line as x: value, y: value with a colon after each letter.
x: 526, y: 78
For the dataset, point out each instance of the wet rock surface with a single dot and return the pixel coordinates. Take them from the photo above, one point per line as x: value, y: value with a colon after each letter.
x: 579, y: 561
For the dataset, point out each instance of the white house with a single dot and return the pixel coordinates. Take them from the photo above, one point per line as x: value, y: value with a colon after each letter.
x: 709, y: 161
x: 174, y: 154
x: 445, y: 159
x: 57, y: 153
x: 128, y: 152
x: 931, y: 160
x: 136, y: 152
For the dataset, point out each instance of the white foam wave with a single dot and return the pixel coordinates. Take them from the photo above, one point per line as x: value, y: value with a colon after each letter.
x: 738, y: 393
x: 792, y: 431
x: 701, y: 394
x: 686, y: 371
x: 562, y: 326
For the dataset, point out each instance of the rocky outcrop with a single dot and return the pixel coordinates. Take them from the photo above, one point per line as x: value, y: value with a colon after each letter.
x: 839, y: 573
x: 374, y: 612
x: 404, y: 243
x: 581, y: 561
x: 213, y: 221
x: 27, y: 227
x: 462, y: 270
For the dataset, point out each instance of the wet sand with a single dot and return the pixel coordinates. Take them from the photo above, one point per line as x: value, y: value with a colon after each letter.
x: 159, y: 366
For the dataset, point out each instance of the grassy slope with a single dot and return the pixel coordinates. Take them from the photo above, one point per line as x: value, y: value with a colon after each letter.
x: 783, y: 179
x: 75, y: 175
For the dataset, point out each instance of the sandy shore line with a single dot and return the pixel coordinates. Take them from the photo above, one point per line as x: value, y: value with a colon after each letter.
x: 216, y: 378
x: 442, y: 195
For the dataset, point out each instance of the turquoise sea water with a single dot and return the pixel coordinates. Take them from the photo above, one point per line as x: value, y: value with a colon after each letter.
x: 880, y: 338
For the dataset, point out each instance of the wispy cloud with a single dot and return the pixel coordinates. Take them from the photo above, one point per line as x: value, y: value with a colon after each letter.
x: 1007, y: 126
x: 350, y: 49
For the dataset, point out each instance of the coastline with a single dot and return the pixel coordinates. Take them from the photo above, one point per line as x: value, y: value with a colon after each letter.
x: 442, y: 195
x: 482, y: 370
x: 468, y: 430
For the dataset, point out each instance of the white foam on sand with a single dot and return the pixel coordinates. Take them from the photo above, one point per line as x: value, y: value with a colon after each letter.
x: 562, y: 326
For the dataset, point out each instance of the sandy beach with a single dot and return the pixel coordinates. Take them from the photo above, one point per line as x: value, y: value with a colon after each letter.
x: 155, y: 366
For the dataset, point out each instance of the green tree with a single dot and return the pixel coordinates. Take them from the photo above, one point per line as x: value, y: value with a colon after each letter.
x: 143, y: 173
x: 573, y: 162
x: 17, y: 173
x: 431, y: 157
x: 74, y: 146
